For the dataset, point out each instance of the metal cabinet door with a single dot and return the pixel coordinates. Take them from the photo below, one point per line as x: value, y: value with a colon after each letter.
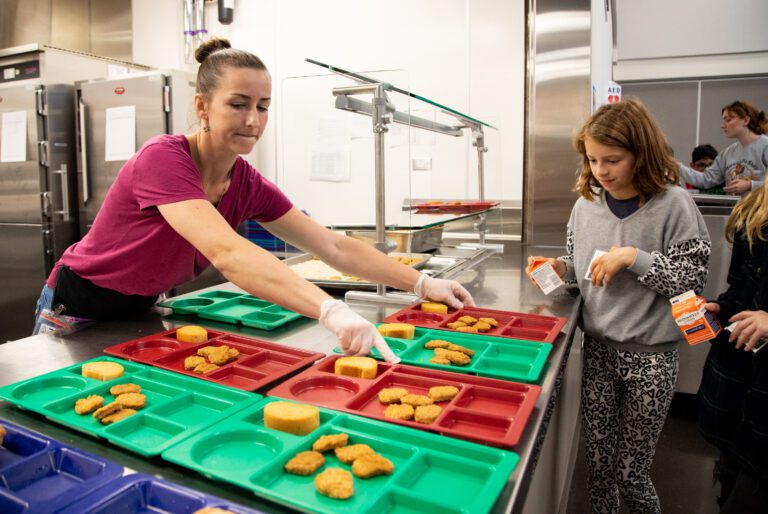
x: 22, y: 274
x: 20, y: 181
x: 145, y: 92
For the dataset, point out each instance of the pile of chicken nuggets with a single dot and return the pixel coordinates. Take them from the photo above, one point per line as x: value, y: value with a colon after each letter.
x: 415, y: 407
x: 448, y: 354
x: 472, y: 324
x: 210, y: 358
x: 128, y: 400
x: 337, y: 482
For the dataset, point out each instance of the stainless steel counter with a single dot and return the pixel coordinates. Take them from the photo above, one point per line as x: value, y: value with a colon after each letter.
x: 498, y: 282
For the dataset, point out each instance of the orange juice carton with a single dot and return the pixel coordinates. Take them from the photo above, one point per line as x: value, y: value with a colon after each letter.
x: 696, y: 323
x: 541, y: 273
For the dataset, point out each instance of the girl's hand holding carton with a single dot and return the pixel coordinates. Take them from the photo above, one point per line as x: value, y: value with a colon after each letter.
x: 605, y: 265
x: 748, y: 329
x: 546, y: 273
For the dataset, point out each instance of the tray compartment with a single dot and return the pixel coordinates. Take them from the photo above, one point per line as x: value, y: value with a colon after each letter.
x: 501, y: 403
x: 229, y: 311
x: 480, y: 425
x: 152, y: 349
x: 401, y: 501
x: 50, y: 389
x: 451, y: 476
x: 325, y: 388
x: 368, y: 403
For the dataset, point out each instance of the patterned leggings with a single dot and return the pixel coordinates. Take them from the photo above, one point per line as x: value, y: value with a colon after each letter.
x: 625, y: 397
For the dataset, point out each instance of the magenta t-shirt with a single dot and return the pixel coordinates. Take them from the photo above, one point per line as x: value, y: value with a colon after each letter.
x: 132, y: 249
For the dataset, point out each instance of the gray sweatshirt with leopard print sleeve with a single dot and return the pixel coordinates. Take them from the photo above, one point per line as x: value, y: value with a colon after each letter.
x: 633, y: 312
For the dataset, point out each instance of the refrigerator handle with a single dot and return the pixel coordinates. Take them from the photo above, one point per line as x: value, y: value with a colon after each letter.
x: 84, y: 152
x: 45, y: 200
x: 64, y: 175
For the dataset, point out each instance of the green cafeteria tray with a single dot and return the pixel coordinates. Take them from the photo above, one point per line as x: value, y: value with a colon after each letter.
x: 177, y: 406
x: 507, y: 359
x: 232, y: 307
x: 432, y: 473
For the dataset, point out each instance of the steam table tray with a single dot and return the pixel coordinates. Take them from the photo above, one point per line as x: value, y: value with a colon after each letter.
x: 140, y: 494
x: 485, y: 410
x: 176, y: 406
x: 515, y: 325
x: 432, y: 473
x: 259, y: 363
x: 232, y: 307
x: 40, y: 475
x: 494, y: 358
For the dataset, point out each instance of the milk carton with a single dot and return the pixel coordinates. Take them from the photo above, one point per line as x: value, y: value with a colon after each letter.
x: 541, y: 273
x: 696, y: 323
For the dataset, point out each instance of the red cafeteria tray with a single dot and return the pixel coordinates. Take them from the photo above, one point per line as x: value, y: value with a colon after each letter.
x: 486, y: 410
x: 529, y: 327
x: 259, y: 363
x: 457, y: 207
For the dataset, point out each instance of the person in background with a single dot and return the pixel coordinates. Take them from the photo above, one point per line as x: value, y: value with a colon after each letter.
x: 741, y: 166
x: 175, y: 206
x: 733, y: 396
x: 655, y: 246
x: 702, y: 157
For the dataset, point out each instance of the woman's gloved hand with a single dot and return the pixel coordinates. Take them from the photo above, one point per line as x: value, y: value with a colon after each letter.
x: 356, y: 334
x: 448, y: 292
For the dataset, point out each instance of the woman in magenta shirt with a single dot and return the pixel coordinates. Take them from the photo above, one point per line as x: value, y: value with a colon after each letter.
x: 175, y: 206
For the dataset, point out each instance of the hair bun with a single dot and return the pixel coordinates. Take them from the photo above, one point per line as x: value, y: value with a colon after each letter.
x: 208, y: 47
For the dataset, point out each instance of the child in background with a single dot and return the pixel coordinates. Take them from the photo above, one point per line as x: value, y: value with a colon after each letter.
x: 655, y: 246
x: 702, y: 157
x: 733, y: 398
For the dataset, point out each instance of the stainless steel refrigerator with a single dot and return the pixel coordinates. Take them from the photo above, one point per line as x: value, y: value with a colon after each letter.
x: 163, y: 104
x: 38, y: 191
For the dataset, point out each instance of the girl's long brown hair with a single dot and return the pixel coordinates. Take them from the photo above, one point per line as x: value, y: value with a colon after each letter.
x: 628, y: 125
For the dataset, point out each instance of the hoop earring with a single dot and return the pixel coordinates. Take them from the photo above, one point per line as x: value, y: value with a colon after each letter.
x: 206, y: 128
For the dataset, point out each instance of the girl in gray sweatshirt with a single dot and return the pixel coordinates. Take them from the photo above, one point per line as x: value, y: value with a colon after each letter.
x: 654, y: 246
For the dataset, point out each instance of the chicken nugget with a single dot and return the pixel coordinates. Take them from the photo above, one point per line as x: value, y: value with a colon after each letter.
x: 117, y: 416
x: 426, y: 414
x: 205, y: 350
x: 193, y: 361
x: 233, y: 353
x: 330, y: 442
x: 212, y: 510
x: 88, y: 404
x: 335, y: 483
x: 220, y: 355
x: 443, y: 393
x: 2, y: 434
x: 482, y: 326
x: 205, y: 368
x: 132, y: 400
x: 491, y: 321
x: 469, y: 320
x: 372, y: 465
x: 456, y: 324
x: 397, y: 411
x: 467, y: 329
x: 416, y: 399
x: 462, y: 349
x: 124, y: 388
x: 107, y: 410
x: 392, y: 394
x: 440, y: 360
x: 436, y: 343
x: 348, y: 454
x: 457, y: 358
x: 305, y: 463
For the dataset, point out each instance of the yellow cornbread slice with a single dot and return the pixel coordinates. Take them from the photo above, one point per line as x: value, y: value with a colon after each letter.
x: 103, y: 370
x: 191, y: 334
x: 439, y: 308
x: 359, y: 367
x: 399, y: 330
x: 294, y: 418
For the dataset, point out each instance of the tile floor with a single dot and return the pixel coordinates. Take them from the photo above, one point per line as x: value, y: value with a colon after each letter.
x: 682, y: 469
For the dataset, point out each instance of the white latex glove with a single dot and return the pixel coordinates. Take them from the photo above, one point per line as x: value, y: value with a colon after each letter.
x: 448, y: 292
x: 356, y: 334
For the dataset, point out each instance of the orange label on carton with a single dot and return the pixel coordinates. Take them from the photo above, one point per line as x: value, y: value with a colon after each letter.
x: 541, y: 273
x: 695, y: 322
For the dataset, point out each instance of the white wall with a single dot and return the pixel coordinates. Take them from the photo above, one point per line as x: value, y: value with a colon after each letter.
x: 659, y: 39
x: 472, y: 60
